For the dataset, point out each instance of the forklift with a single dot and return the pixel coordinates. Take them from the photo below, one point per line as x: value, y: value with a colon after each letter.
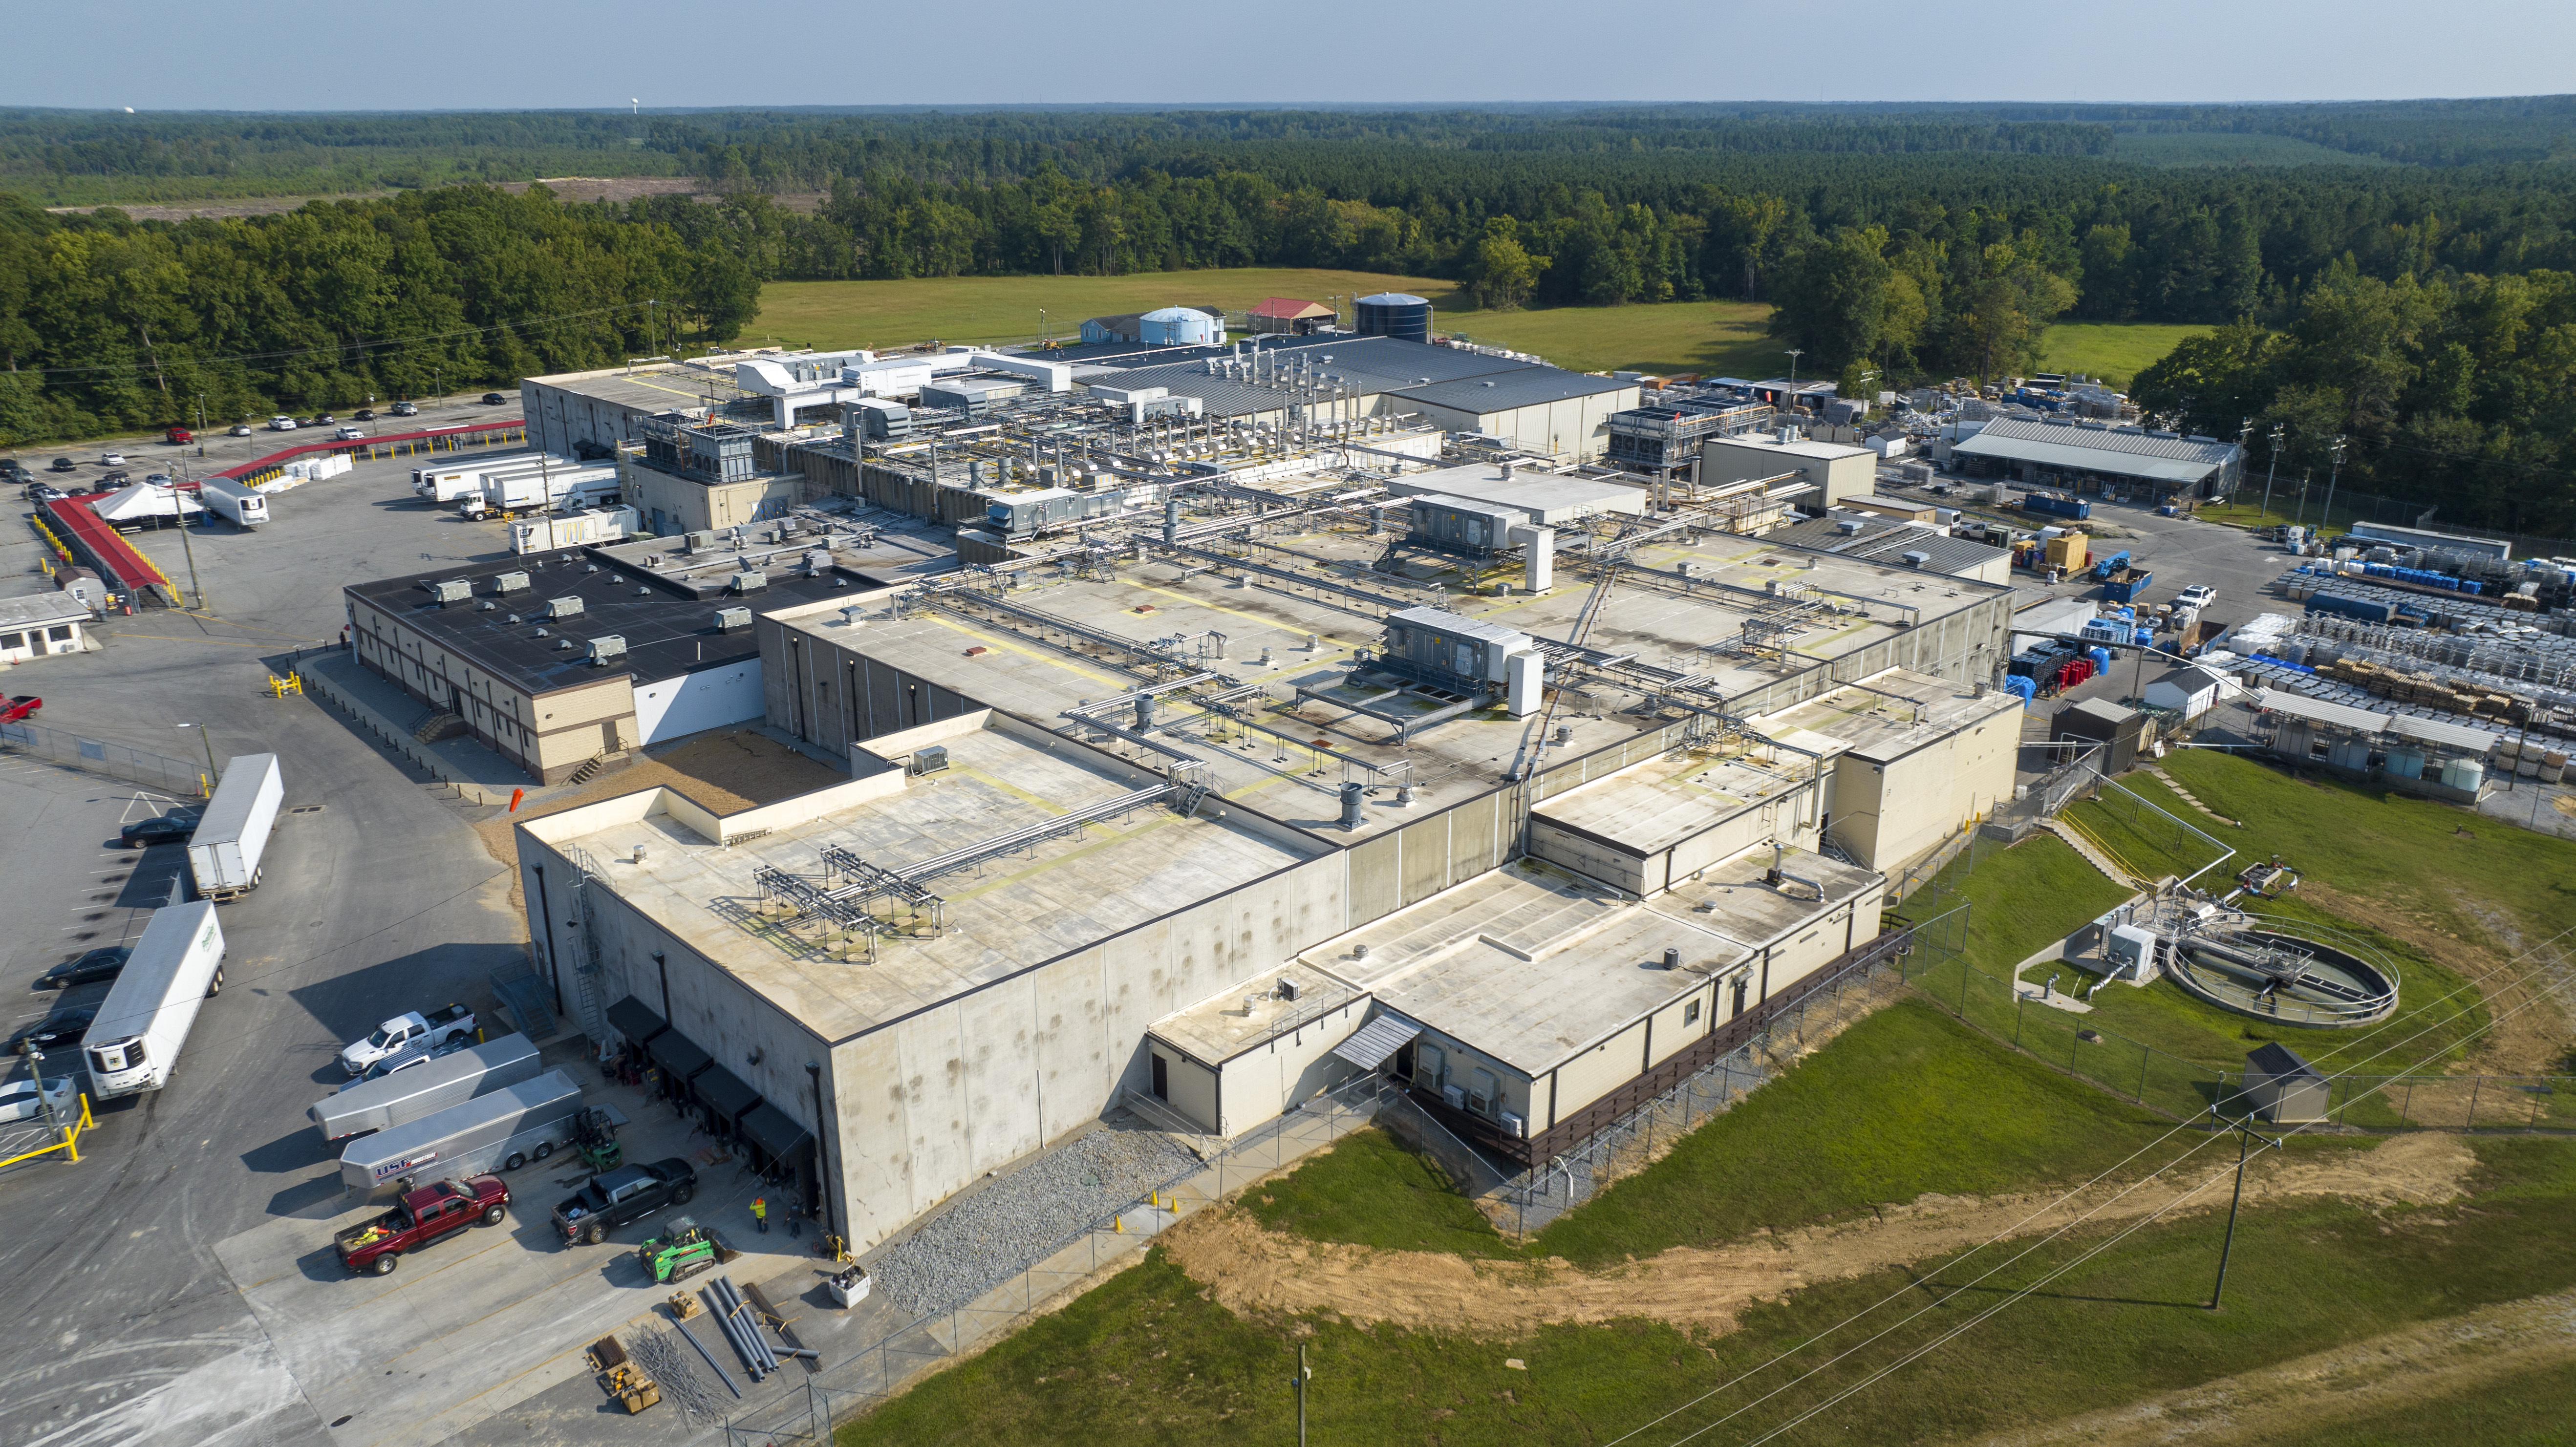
x: 596, y: 1139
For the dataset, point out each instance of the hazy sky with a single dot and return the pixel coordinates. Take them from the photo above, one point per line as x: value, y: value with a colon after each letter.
x: 292, y: 55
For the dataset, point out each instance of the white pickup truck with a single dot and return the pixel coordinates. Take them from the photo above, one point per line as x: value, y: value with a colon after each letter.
x: 413, y: 1031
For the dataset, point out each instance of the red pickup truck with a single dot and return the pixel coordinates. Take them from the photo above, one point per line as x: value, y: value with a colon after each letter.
x: 22, y: 706
x: 429, y: 1214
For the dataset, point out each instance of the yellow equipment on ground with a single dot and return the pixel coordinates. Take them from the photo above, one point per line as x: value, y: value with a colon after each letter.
x: 623, y: 1381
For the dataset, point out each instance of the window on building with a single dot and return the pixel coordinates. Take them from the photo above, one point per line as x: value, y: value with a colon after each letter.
x: 1690, y: 1013
x: 13, y: 640
x: 62, y: 634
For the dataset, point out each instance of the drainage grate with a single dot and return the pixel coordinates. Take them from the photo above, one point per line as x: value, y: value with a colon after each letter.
x: 305, y: 809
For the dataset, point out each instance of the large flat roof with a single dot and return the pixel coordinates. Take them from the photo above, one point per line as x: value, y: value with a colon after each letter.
x: 1001, y: 918
x: 1889, y: 715
x: 1535, y: 965
x: 668, y: 629
x: 1886, y: 540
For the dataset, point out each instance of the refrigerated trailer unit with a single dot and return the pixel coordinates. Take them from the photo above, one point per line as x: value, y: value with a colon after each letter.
x: 499, y: 1131
x: 224, y: 854
x: 424, y: 1090
x: 243, y: 507
x: 176, y: 967
x: 567, y: 486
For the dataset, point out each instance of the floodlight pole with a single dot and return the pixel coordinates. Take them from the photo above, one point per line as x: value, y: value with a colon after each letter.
x: 1794, y: 353
x: 1299, y: 1382
x: 2270, y: 468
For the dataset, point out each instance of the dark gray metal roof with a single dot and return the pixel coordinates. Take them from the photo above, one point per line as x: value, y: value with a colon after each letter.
x: 2279, y: 1061
x: 2092, y: 449
x: 1377, y: 1040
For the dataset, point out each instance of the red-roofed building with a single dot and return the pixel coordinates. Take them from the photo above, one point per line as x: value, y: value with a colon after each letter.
x: 1288, y: 314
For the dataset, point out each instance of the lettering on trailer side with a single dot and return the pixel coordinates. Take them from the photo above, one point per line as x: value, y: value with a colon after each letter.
x: 405, y: 1165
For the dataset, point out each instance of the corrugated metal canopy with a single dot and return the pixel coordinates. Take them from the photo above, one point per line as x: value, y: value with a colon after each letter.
x: 2317, y: 710
x: 1377, y: 1040
x: 2084, y: 449
x: 2434, y: 731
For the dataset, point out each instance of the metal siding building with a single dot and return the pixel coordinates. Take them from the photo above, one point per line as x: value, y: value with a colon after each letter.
x: 2072, y: 454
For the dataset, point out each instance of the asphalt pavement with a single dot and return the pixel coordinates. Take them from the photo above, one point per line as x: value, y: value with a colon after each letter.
x: 378, y: 897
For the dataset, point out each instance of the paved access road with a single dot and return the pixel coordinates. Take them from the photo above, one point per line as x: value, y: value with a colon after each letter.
x: 128, y: 1328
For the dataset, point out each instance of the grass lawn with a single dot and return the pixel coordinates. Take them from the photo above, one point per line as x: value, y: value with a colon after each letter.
x: 2113, y: 351
x: 2020, y: 898
x: 1875, y: 1117
x: 2443, y: 866
x: 2530, y: 1408
x: 1149, y: 1358
x: 1713, y: 338
x: 1371, y: 1190
x: 833, y: 314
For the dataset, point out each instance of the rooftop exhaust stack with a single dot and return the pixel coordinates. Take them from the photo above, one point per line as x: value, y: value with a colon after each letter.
x: 1352, y: 795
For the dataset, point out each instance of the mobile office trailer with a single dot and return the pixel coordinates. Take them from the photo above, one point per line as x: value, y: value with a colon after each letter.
x: 501, y: 1130
x: 424, y: 1090
x: 176, y: 967
x: 243, y: 507
x: 224, y: 854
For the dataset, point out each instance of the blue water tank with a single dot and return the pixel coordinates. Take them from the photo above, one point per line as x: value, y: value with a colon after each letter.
x: 1395, y: 314
x: 2101, y: 659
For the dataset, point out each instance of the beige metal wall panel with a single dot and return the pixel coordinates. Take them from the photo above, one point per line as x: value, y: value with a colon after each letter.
x: 1597, y: 1072
x: 1674, y: 1033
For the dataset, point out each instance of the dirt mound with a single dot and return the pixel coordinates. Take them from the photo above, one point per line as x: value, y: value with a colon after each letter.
x: 1253, y: 1270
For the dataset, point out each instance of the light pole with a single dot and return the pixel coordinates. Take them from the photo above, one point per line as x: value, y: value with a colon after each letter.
x: 2304, y: 474
x: 207, y: 739
x: 1298, y: 1381
x: 2269, y: 468
x: 2325, y: 519
x: 1794, y: 354
x: 179, y: 509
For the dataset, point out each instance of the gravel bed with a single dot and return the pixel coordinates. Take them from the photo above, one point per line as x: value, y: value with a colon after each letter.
x: 983, y: 1240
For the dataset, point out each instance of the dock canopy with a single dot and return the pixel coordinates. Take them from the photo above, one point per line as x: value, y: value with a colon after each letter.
x: 1377, y: 1040
x: 678, y: 1055
x: 724, y: 1093
x: 639, y: 1025
x: 776, y: 1132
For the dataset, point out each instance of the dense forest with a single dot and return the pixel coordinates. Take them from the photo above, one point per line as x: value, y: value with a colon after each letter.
x: 1910, y: 242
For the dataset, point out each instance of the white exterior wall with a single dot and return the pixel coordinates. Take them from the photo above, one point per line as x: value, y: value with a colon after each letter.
x: 1279, y: 1075
x: 712, y: 698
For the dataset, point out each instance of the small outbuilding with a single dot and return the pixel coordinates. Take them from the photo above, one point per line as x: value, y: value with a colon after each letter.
x: 2101, y: 721
x: 1287, y: 314
x: 2284, y: 1089
x: 39, y: 625
x: 2186, y: 692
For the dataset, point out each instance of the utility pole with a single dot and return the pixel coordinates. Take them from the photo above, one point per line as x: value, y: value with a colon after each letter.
x: 208, y: 740
x: 179, y: 509
x: 2304, y: 475
x: 2278, y: 432
x: 2245, y: 1137
x: 1299, y: 1382
x: 2325, y: 519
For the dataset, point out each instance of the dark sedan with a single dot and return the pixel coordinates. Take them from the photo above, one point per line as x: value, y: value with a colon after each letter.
x: 59, y: 1031
x: 166, y: 829
x: 364, y: 414
x: 491, y: 399
x: 65, y: 464
x: 99, y: 964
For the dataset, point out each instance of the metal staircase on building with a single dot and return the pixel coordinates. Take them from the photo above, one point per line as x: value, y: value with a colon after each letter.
x: 591, y: 766
x: 585, y: 946
x: 441, y: 724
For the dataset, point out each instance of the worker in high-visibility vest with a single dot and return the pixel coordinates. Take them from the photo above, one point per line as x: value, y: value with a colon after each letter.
x: 760, y: 1212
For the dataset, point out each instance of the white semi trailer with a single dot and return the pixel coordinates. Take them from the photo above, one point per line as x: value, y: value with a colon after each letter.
x: 498, y: 1131
x: 425, y: 1089
x: 232, y: 837
x: 243, y: 507
x: 176, y: 967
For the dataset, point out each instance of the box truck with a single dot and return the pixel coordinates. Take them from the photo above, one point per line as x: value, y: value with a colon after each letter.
x: 224, y: 853
x: 176, y: 967
x: 499, y: 1130
x: 425, y: 1089
x: 243, y: 507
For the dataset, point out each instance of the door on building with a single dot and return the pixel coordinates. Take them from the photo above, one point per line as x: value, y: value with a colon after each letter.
x: 1162, y: 1079
x: 1739, y: 997
x: 608, y: 736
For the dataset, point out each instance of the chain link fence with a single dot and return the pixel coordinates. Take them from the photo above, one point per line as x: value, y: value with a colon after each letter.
x: 807, y: 1404
x: 179, y: 778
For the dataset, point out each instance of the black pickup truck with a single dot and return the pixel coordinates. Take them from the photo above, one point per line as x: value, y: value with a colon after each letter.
x: 629, y: 1193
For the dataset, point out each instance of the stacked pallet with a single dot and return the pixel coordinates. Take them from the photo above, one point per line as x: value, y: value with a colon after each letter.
x: 2400, y: 686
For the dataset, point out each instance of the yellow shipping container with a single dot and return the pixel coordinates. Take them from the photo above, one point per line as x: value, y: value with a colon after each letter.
x: 2068, y: 551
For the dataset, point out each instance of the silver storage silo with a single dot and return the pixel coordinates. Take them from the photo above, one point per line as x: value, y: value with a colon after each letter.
x: 1395, y: 314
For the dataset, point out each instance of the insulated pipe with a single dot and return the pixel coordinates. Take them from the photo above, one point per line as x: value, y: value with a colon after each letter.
x: 718, y: 1367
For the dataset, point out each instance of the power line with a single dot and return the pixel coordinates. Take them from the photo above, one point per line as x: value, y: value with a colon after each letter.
x: 2052, y: 1236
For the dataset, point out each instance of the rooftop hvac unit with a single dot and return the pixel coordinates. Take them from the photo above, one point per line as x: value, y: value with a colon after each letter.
x: 510, y: 583
x: 1916, y: 558
x: 454, y: 590
x: 746, y: 582
x: 1288, y: 989
x: 1848, y: 527
x: 729, y: 619
x: 563, y: 607
x: 607, y: 650
x: 929, y: 759
x: 700, y: 541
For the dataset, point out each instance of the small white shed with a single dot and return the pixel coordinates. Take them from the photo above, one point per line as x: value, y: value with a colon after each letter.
x: 41, y: 624
x: 2189, y: 692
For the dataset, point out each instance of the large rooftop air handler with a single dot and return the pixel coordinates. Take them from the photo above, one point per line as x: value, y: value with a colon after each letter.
x: 1394, y: 314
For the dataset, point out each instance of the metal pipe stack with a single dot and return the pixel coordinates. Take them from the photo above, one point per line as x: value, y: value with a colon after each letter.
x: 741, y: 1327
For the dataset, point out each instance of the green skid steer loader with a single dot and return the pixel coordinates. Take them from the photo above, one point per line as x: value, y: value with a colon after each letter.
x: 682, y: 1251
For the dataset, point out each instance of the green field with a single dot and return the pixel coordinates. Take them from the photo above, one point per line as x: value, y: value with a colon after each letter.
x: 993, y: 309
x: 2230, y: 148
x: 2113, y: 351
x: 1704, y: 336
x: 1713, y: 338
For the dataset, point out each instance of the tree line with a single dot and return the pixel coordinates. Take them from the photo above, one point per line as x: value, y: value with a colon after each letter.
x: 110, y: 325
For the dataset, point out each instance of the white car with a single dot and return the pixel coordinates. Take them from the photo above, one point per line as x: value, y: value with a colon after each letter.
x: 111, y: 459
x: 281, y: 423
x: 239, y: 429
x: 2198, y: 595
x: 20, y: 1101
x: 350, y: 434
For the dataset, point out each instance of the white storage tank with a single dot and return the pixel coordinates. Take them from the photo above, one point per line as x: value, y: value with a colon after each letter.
x: 1180, y: 326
